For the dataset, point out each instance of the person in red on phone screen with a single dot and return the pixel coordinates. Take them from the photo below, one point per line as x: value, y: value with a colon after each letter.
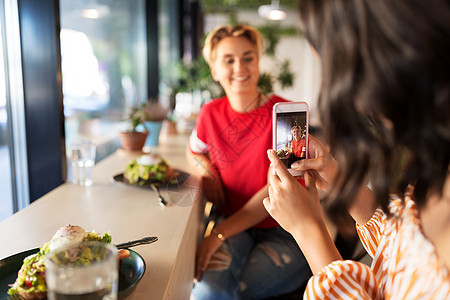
x: 298, y: 144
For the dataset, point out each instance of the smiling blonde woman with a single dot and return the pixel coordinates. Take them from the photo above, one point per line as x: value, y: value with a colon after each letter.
x: 248, y: 255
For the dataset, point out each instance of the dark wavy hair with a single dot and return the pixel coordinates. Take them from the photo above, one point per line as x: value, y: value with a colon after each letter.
x: 384, y: 102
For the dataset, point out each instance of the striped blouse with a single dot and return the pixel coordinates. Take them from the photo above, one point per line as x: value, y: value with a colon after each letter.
x: 405, y: 264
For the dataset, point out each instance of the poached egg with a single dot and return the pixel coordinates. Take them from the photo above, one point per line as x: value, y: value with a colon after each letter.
x: 67, y: 236
x: 148, y: 160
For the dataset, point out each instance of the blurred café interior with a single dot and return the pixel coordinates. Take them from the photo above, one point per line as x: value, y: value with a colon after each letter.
x: 92, y: 71
x: 73, y: 70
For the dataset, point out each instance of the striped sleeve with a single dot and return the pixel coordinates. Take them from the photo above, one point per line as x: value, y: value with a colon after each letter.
x: 370, y: 232
x: 343, y: 280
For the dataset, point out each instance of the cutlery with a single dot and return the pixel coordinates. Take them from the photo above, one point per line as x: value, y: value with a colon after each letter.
x: 143, y: 241
x: 161, y: 200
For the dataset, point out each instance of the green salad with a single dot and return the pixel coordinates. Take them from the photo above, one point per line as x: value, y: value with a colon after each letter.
x: 31, y: 276
x: 142, y: 172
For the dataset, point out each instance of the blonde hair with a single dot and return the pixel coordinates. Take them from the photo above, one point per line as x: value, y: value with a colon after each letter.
x: 224, y: 31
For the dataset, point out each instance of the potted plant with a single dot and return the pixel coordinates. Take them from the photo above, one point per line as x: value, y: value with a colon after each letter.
x: 132, y: 139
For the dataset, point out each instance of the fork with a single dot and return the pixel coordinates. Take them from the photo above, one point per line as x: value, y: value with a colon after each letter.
x: 145, y: 240
x: 161, y: 200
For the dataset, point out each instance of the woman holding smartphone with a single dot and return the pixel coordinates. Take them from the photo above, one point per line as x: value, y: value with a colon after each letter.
x: 385, y: 110
x: 248, y: 255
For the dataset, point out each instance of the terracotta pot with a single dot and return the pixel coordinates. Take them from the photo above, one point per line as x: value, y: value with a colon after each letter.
x: 133, y: 140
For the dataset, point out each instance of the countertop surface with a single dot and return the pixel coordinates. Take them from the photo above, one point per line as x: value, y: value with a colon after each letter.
x: 128, y: 213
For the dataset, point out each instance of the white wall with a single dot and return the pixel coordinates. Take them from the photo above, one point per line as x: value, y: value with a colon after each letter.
x: 304, y: 63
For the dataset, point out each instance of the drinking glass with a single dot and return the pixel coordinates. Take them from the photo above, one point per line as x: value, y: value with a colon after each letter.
x: 88, y: 271
x: 83, y: 160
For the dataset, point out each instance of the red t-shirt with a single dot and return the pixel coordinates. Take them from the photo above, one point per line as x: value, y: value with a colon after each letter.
x: 237, y: 144
x: 299, y: 147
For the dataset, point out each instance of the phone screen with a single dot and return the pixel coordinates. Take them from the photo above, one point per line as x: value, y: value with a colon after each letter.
x: 291, y: 131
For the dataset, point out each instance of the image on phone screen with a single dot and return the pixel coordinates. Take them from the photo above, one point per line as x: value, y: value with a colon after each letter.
x: 291, y: 136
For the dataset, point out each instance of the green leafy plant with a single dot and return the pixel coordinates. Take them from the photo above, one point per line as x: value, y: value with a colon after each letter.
x: 136, y: 117
x: 265, y: 83
x: 272, y: 33
x: 233, y: 5
x: 149, y: 111
x: 285, y: 77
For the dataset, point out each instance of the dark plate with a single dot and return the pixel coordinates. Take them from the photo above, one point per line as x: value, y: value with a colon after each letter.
x: 176, y: 182
x: 130, y: 273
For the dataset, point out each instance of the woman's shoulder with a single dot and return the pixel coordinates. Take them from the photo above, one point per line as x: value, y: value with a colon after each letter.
x: 415, y: 253
x: 405, y: 207
x: 213, y: 107
x: 215, y: 103
x: 275, y: 99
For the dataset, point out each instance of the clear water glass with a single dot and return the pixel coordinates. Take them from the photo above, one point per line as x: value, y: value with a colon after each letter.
x: 88, y: 271
x: 83, y: 161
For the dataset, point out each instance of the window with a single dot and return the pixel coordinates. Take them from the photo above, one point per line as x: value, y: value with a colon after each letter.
x: 104, y: 67
x: 13, y: 153
x: 6, y: 203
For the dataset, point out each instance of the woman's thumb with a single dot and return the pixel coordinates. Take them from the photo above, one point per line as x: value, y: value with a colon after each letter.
x: 307, y: 164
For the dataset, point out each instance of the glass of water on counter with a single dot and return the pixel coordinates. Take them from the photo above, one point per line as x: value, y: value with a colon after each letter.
x: 83, y: 160
x: 87, y: 271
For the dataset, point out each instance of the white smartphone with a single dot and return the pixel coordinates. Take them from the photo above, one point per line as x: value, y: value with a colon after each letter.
x: 290, y: 132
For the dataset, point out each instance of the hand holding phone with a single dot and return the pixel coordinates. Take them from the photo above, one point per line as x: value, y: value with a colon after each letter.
x: 290, y: 133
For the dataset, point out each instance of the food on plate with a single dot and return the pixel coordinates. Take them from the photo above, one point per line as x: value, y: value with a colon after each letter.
x: 30, y: 282
x: 282, y: 153
x: 123, y: 253
x: 149, y: 169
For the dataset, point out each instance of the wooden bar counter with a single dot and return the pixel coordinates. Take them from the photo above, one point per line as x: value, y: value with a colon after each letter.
x: 128, y: 213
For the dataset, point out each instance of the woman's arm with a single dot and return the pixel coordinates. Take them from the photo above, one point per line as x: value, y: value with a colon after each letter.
x: 298, y: 211
x: 250, y: 214
x: 209, y: 177
x: 363, y: 206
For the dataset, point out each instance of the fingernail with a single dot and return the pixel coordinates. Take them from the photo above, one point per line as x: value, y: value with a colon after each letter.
x: 297, y: 164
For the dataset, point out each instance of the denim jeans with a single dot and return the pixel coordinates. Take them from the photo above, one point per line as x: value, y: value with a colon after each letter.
x: 254, y: 264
